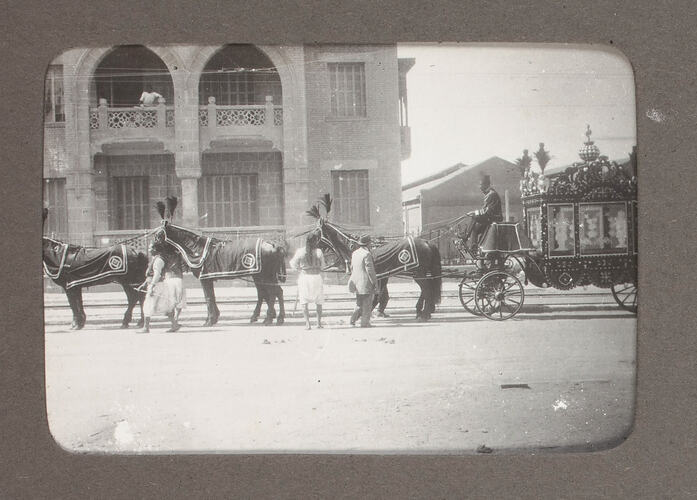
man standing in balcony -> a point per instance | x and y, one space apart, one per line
149 97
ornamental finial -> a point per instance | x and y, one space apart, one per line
589 152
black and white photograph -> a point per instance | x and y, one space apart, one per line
326 248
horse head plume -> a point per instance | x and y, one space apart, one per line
171 205
160 209
313 212
326 202
44 216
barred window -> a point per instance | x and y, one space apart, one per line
351 196
347 87
129 201
56 224
53 95
228 200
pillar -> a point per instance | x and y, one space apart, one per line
187 157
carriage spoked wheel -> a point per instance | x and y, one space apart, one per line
626 297
466 289
499 295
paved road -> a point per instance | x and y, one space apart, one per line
553 377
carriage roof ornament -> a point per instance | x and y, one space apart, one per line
589 152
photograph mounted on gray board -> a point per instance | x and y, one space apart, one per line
410 248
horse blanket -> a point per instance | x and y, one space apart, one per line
397 257
505 238
85 266
232 259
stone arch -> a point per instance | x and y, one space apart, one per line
286 70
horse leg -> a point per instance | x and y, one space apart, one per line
70 294
79 316
140 297
420 312
211 306
132 297
381 298
270 310
281 307
257 308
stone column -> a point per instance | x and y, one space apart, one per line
187 157
79 174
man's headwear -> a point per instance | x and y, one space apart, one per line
486 180
364 240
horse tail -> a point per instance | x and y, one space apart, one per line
436 273
282 274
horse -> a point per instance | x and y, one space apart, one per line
211 259
71 267
410 256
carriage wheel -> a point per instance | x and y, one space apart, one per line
499 295
466 288
626 297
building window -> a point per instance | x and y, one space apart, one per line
56 224
347 87
350 192
130 203
228 200
53 95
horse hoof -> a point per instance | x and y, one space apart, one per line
207 323
254 320
124 326
79 327
280 321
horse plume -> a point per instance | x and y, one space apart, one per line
160 209
326 202
313 212
171 205
44 215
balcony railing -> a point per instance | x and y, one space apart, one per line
103 117
214 116
240 123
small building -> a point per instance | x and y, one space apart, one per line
432 204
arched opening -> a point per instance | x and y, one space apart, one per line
240 75
126 72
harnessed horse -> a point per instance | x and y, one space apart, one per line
71 267
211 259
409 256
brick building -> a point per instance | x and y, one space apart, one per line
248 137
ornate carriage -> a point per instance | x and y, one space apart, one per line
580 228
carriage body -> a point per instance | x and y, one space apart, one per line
579 229
583 228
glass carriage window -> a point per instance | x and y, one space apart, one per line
534 223
560 223
53 95
350 193
603 228
347 87
130 202
228 200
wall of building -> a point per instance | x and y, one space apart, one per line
363 143
162 182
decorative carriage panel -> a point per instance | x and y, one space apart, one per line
603 228
561 236
533 220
